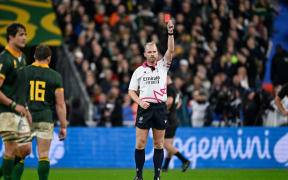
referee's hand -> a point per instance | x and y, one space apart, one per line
144 104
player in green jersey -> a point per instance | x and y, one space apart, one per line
14 118
45 89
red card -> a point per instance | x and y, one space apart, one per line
167 18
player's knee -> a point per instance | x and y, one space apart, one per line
10 153
10 149
167 146
158 144
25 152
43 154
141 143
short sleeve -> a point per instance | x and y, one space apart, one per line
283 91
134 82
163 63
59 83
4 67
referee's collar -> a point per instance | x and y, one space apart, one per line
145 64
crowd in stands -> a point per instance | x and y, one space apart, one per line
219 61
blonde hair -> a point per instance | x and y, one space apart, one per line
150 44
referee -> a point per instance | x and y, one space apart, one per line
150 79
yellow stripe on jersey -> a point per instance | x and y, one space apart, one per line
59 89
2 76
44 159
8 158
37 64
14 53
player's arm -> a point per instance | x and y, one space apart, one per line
169 102
169 53
136 98
61 112
6 100
133 87
179 103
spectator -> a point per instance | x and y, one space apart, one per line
222 42
279 66
76 117
201 111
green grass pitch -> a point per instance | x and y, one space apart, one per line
128 174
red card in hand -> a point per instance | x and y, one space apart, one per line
167 18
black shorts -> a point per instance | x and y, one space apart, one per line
170 131
153 117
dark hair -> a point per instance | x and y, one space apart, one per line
42 52
12 30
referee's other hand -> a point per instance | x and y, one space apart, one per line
144 104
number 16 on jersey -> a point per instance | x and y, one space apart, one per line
37 90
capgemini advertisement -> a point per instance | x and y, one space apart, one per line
205 147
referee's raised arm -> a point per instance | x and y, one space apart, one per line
170 50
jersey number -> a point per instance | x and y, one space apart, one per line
37 90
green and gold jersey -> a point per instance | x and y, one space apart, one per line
10 64
42 83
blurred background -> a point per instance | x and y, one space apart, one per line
230 61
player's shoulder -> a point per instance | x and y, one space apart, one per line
139 69
4 55
55 73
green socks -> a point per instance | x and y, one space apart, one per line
1 171
18 168
7 165
43 168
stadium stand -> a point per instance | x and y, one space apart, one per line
221 51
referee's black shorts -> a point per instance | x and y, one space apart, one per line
153 117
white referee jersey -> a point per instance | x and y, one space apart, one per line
151 82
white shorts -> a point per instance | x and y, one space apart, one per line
11 125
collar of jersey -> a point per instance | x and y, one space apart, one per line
37 64
146 65
11 51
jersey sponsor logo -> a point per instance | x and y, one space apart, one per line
242 147
151 80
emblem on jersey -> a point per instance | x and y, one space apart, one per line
165 121
15 64
141 120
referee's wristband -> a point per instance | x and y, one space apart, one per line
12 105
170 34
